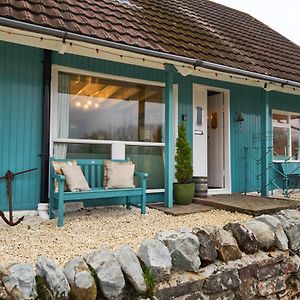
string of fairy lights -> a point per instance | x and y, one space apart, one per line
188 69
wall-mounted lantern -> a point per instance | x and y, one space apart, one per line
239 117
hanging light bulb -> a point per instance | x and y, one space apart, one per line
86 106
78 104
97 105
89 102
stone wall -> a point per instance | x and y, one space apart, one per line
258 259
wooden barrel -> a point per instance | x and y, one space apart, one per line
200 186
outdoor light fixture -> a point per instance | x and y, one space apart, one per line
239 117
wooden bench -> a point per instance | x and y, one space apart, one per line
93 172
290 170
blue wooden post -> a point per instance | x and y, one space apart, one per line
266 143
169 136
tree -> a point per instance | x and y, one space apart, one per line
183 157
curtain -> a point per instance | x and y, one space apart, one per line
63 98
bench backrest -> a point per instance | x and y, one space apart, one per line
91 168
291 168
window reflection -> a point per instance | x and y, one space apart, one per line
104 109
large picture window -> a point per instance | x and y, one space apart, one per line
286 136
92 113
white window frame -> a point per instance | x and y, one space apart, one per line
288 125
116 144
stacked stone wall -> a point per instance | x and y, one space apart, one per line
258 259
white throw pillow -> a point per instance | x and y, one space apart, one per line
57 165
120 176
75 179
107 162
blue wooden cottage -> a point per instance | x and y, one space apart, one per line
114 78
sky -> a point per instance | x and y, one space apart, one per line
281 15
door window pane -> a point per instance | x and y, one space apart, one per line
105 109
280 142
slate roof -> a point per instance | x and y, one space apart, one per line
192 28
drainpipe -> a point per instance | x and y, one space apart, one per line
176 58
43 205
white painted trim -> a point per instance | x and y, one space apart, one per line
155 191
218 191
43 41
289 127
21 213
107 142
53 115
75 71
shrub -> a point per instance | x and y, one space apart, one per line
183 157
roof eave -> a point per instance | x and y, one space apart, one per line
152 53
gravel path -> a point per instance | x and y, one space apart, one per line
86 230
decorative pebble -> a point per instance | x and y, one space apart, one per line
87 230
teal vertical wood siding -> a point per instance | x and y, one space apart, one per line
20 122
21 112
244 99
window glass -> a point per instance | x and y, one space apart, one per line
280 118
105 109
148 160
89 151
295 132
280 142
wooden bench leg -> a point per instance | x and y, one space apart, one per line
143 204
51 208
127 203
61 207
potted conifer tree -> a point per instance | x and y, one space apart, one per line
184 189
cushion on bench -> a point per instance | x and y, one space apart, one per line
119 176
75 179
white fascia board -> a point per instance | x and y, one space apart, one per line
43 41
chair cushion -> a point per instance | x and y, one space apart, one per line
120 176
105 169
57 166
75 179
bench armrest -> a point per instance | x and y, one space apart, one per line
140 174
58 177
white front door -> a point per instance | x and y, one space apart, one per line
215 135
199 130
211 137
